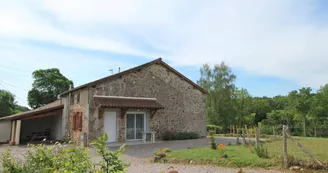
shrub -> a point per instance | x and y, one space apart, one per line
217 129
212 140
169 135
10 164
162 152
44 159
262 151
59 158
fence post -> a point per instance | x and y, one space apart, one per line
249 139
284 131
243 133
257 136
237 137
274 133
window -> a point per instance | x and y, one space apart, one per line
72 99
78 99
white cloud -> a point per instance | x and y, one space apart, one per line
281 38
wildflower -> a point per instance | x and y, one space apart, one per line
221 146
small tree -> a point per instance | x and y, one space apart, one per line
110 162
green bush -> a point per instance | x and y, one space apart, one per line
212 140
60 158
48 159
169 135
162 152
217 129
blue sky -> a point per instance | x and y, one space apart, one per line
272 46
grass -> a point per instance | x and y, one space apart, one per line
316 146
239 154
244 158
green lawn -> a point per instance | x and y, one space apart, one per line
317 146
242 155
239 154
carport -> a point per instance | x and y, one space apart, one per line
44 123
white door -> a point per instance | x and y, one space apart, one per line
110 125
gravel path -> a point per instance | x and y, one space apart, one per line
142 165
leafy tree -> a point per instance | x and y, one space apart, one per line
301 101
47 85
243 107
7 103
19 109
261 106
219 81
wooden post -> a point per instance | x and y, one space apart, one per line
237 137
284 134
243 133
249 139
304 150
257 136
304 131
274 133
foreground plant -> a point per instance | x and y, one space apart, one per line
212 140
110 162
48 159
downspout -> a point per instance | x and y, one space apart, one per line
88 115
68 111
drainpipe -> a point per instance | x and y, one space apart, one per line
68 110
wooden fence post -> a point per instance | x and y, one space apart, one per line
284 131
243 133
237 137
305 150
249 139
257 136
274 133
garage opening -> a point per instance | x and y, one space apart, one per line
46 127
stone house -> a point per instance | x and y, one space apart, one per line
152 96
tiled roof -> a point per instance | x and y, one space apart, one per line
117 75
127 102
56 105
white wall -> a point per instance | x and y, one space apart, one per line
5 130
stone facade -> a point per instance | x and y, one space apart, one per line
184 103
74 104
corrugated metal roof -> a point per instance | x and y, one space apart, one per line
47 108
127 102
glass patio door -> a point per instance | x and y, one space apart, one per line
135 126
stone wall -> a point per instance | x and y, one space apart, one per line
81 106
184 104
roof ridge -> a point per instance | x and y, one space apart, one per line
158 60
